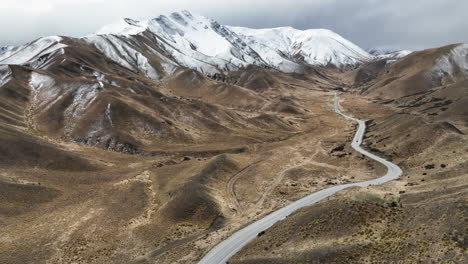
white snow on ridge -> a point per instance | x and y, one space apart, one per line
315 46
5 74
190 33
31 51
159 46
196 42
84 95
456 59
322 47
459 56
101 78
124 26
120 50
395 55
388 52
194 39
39 81
382 50
46 92
43 88
273 45
114 48
5 49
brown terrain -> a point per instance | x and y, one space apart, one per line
100 164
420 218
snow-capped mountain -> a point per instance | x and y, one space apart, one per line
159 46
193 41
286 47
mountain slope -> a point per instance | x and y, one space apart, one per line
417 117
419 72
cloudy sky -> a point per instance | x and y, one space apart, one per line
412 24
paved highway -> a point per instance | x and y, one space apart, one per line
230 246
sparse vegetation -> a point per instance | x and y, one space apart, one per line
106 165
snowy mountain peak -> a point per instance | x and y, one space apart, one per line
313 46
225 47
157 46
283 48
165 22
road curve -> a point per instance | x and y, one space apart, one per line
230 246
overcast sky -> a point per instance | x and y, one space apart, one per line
412 24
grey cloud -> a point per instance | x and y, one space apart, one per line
369 23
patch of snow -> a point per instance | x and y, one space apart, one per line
144 65
5 74
114 83
101 78
459 56
39 81
83 96
108 114
44 89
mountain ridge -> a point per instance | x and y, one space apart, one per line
182 39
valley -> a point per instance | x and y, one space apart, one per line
154 141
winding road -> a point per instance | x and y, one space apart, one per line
230 246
